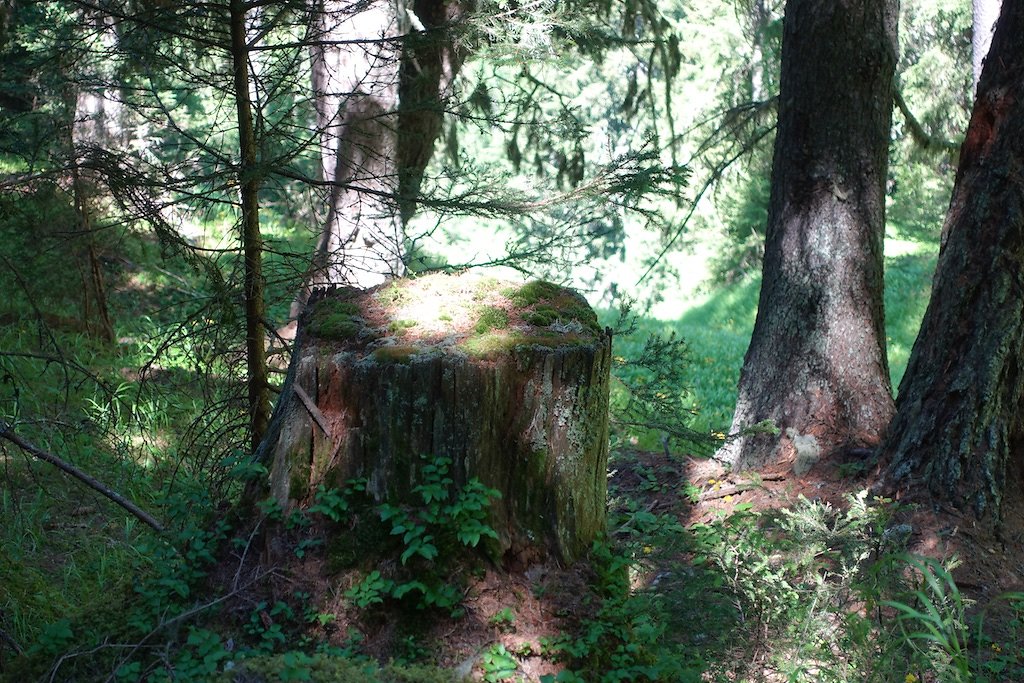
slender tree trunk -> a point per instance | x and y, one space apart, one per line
985 13
431 59
252 241
816 366
97 124
958 422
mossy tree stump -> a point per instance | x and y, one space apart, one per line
508 381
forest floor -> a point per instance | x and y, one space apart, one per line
520 615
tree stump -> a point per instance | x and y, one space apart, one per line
508 381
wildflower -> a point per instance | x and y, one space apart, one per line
727 499
996 648
910 678
648 550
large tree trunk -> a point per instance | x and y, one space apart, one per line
510 384
958 423
816 366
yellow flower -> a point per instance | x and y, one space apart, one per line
727 499
996 648
910 678
711 481
648 550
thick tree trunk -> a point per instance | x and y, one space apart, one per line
958 423
816 366
511 384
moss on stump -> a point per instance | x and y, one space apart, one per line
508 381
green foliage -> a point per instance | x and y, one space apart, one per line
434 535
326 668
651 385
934 622
625 640
498 664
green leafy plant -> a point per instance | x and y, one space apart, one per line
503 618
498 664
431 535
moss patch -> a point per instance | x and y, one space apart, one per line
491 318
541 316
497 343
533 292
336 319
545 303
399 326
393 294
396 353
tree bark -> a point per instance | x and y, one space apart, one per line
523 408
431 59
355 89
252 240
816 366
380 82
958 423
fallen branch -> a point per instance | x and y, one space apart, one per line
314 412
7 432
11 642
741 487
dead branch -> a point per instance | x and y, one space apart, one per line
7 432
